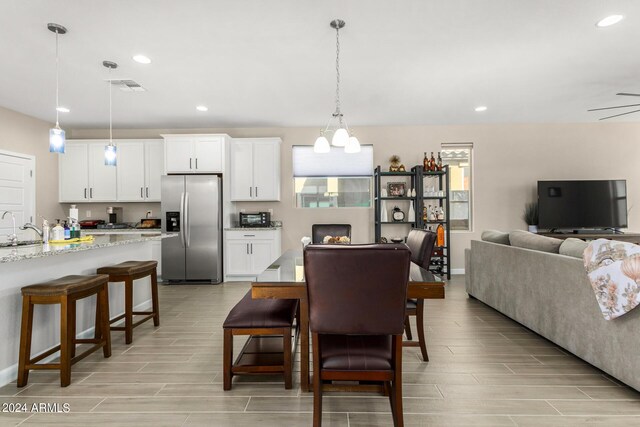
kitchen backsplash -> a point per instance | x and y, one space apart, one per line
131 212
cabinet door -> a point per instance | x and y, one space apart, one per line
241 171
102 179
266 170
238 257
179 155
154 169
73 173
130 171
208 154
262 255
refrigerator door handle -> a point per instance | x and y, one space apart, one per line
187 227
182 224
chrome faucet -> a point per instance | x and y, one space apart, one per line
13 238
33 227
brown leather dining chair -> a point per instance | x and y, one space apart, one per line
320 231
356 338
421 244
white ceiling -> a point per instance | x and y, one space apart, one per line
271 63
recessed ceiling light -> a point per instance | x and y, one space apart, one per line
202 108
63 109
142 59
609 20
481 108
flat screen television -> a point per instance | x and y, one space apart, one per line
582 204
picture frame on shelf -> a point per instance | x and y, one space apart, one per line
396 189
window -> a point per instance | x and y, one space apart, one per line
459 158
332 180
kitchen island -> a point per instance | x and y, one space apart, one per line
25 265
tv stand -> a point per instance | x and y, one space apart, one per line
594 231
587 235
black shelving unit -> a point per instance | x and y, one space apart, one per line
441 261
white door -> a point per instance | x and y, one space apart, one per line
238 257
241 170
262 255
266 170
73 173
179 155
102 178
130 171
17 194
208 154
154 169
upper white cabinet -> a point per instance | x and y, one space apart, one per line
83 176
140 166
255 169
194 153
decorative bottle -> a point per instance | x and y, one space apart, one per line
439 162
440 214
433 166
425 162
440 236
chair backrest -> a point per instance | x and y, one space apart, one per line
357 289
320 231
421 244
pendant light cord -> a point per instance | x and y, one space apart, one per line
110 111
57 84
338 113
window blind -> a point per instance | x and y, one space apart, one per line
306 163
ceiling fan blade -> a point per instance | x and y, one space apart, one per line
618 115
628 94
610 108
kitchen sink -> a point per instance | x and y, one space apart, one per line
21 243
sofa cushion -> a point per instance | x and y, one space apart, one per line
573 247
495 236
524 239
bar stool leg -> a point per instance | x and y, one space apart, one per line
226 359
154 297
72 328
420 324
128 310
65 348
286 348
103 315
25 341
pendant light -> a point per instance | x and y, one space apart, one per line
56 134
110 155
341 135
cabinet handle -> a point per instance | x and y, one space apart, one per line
247 249
196 163
249 235
251 248
147 192
141 192
256 191
190 163
85 193
91 193
250 191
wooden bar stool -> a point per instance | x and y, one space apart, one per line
127 272
64 291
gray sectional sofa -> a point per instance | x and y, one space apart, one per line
542 284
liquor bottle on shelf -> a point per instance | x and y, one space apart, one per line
440 235
439 165
424 214
426 163
434 166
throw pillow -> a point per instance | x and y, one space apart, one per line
524 239
573 247
495 236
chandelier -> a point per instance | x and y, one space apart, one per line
342 136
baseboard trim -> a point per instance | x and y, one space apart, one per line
10 373
457 271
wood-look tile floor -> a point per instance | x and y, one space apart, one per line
485 370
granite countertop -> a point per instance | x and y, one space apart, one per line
19 253
86 231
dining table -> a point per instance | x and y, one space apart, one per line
284 279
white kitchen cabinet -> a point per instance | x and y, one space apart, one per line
194 153
248 252
83 176
140 166
255 169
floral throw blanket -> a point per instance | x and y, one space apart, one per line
614 272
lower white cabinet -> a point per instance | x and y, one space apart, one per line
247 253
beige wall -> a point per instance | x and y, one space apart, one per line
26 135
508 160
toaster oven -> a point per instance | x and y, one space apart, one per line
258 219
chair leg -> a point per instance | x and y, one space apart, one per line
407 328
396 386
128 310
286 347
227 355
388 385
105 326
72 327
65 347
317 383
420 326
25 341
154 298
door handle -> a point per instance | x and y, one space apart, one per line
196 163
91 193
250 191
182 224
247 249
251 248
256 191
85 193
147 192
141 192
186 217
190 163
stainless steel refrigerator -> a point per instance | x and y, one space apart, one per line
192 207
